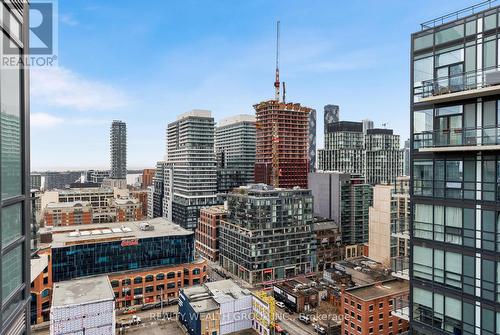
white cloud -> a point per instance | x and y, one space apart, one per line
44 120
61 87
68 19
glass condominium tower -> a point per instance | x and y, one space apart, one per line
15 171
455 174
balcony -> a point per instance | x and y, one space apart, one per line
458 139
401 308
459 86
400 228
400 267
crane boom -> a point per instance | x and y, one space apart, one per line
277 79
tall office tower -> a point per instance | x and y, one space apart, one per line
406 158
158 191
15 171
455 237
367 124
312 140
235 152
344 148
118 145
258 249
331 116
345 199
384 157
282 157
191 158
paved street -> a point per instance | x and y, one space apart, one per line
161 327
291 323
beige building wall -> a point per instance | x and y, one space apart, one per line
379 240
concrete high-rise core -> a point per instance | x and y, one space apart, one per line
118 145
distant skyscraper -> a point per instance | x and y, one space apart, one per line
118 144
235 152
384 157
15 204
367 124
344 148
406 157
312 140
193 173
332 115
282 157
158 191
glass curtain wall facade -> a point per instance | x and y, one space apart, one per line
14 177
455 235
91 259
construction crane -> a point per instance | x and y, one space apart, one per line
275 174
277 79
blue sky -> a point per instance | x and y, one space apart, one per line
145 62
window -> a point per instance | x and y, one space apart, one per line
10 128
370 308
170 285
370 319
115 283
160 276
358 306
423 42
489 54
11 223
149 278
11 271
126 281
380 327
137 280
160 287
45 293
171 275
380 316
450 34
149 289
138 291
381 305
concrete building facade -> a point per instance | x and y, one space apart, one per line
191 157
343 198
235 152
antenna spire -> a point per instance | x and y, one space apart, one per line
277 80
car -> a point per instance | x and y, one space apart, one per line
284 332
319 329
304 319
173 301
136 320
147 307
280 304
130 310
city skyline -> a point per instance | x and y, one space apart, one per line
225 66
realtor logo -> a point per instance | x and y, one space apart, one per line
42 33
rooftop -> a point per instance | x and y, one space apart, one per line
217 209
323 224
67 204
236 119
85 190
380 290
195 113
62 236
82 291
38 265
264 188
227 289
206 297
126 201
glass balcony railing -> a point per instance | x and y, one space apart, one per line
457 137
401 308
400 266
400 226
458 82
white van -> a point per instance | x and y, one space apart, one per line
304 319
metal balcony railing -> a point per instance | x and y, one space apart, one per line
489 76
457 14
480 136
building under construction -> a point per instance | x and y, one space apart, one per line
282 134
282 138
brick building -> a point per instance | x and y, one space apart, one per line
68 213
207 232
329 247
41 288
369 309
147 178
136 288
129 209
142 196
